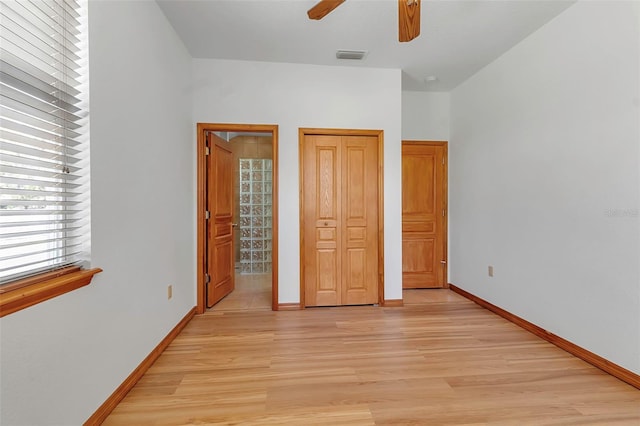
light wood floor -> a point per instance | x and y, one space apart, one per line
440 360
252 292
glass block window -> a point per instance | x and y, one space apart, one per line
255 215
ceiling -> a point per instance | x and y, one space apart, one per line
457 38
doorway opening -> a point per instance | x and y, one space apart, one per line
249 182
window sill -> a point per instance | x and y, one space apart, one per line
15 299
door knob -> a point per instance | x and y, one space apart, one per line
234 225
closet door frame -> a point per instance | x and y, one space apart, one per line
379 134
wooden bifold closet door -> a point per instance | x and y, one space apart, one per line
340 220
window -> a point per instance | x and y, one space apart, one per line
44 161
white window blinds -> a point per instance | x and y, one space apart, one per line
44 168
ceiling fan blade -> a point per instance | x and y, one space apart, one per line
408 19
323 8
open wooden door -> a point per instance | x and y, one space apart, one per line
220 262
213 223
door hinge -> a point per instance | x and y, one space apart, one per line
206 150
207 278
207 215
443 161
443 214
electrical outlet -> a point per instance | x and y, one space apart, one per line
169 292
490 271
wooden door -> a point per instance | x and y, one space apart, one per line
423 215
340 220
220 258
360 220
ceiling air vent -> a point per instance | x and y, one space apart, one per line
351 54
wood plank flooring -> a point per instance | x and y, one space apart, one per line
439 360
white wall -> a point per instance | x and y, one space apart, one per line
295 96
544 180
61 359
425 116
